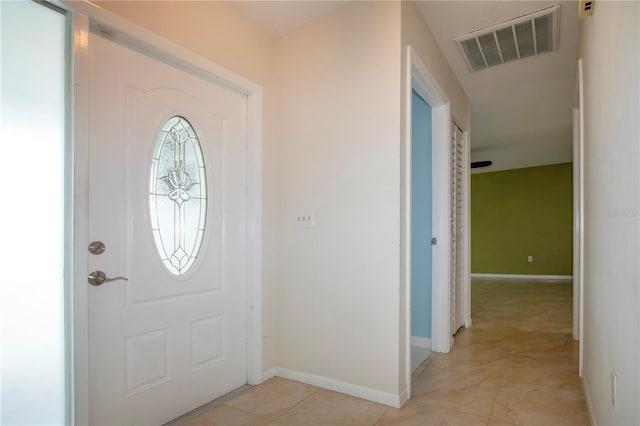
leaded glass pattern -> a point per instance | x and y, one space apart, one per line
178 195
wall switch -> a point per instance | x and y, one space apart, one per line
530 259
614 389
306 219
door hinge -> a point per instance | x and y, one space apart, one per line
434 241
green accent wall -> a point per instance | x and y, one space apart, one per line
519 213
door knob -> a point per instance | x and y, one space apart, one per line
98 278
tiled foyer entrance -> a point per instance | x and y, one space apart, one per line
517 365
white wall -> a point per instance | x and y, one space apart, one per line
416 33
339 151
610 51
215 31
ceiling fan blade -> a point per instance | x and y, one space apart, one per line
477 164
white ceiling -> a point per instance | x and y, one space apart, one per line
520 111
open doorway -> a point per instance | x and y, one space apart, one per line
421 229
428 91
422 236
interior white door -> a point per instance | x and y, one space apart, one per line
173 336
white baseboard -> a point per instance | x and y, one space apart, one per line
587 397
404 397
422 342
268 374
523 277
342 387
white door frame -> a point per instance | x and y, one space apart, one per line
87 16
421 80
578 213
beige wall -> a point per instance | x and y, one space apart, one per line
334 119
610 50
416 33
339 156
216 32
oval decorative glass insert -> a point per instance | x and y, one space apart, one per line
178 195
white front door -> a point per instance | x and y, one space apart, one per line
167 197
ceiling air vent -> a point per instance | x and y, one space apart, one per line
518 38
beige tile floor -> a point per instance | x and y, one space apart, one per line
517 365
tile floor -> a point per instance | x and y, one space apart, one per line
517 365
419 355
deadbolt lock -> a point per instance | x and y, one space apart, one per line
97 247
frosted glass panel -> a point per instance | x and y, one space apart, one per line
178 195
32 251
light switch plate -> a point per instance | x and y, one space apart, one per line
305 219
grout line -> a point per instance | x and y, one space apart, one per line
425 364
449 408
300 402
380 418
495 398
209 406
549 387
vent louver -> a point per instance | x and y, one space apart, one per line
518 38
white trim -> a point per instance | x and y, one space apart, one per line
69 213
524 277
80 138
418 78
576 221
587 398
254 237
89 15
270 373
427 87
404 397
421 342
338 386
578 211
342 387
405 233
581 230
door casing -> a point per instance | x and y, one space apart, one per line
578 214
86 16
421 80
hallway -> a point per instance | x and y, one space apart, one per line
517 365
